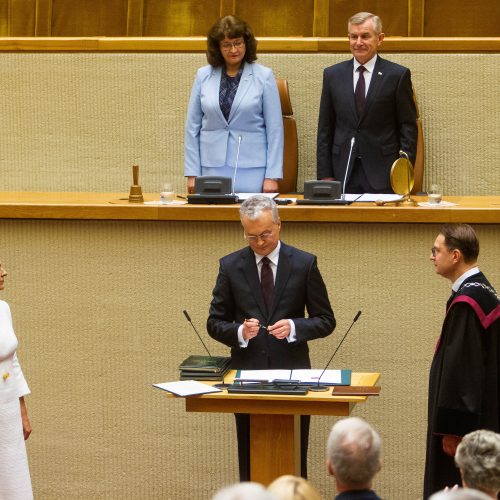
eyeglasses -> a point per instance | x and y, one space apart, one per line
229 45
263 236
433 251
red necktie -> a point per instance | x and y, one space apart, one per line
267 283
359 93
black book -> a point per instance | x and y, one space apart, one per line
197 375
212 364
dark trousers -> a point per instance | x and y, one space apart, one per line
243 435
359 183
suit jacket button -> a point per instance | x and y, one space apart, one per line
6 375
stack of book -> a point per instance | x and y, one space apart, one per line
204 367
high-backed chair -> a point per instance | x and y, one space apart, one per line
291 143
419 159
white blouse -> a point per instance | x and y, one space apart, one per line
12 382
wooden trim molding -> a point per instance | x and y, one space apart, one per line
268 44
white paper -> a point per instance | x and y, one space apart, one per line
312 376
379 196
245 196
186 387
436 205
265 375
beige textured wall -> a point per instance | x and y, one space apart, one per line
98 309
78 121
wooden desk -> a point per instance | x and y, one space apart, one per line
275 422
114 206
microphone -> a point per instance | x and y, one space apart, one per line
347 168
236 164
223 385
321 388
196 331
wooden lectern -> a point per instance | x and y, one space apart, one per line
275 422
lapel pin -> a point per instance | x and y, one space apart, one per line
380 72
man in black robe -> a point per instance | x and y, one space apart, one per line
464 381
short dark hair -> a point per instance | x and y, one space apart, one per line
461 237
230 27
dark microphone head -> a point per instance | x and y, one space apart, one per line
187 315
355 318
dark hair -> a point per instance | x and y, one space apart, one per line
461 237
230 27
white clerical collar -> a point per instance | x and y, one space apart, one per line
369 66
272 256
467 274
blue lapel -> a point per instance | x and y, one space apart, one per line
245 83
213 88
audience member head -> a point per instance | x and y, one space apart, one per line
293 488
261 224
230 27
459 494
353 454
478 458
244 491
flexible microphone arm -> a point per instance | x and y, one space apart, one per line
324 388
347 171
196 331
236 165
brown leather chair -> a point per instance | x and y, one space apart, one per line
419 159
291 143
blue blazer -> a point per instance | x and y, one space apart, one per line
211 141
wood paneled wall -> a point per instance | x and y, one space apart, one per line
321 18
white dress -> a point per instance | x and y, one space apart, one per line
15 481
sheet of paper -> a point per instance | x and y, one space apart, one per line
378 196
436 205
186 387
312 376
244 196
265 375
352 196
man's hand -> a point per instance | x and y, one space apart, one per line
281 329
450 444
251 328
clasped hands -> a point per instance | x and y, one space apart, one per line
280 330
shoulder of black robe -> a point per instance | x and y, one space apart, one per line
481 296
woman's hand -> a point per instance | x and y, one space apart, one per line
190 184
270 186
25 419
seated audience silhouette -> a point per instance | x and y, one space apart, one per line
353 458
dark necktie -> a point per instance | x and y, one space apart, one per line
267 283
359 93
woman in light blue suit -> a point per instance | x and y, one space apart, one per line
234 104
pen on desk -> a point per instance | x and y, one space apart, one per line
181 197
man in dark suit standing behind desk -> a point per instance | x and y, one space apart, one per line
370 100
258 308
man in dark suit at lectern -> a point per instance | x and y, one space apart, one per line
367 113
258 308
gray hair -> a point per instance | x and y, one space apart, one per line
460 494
244 491
361 17
255 205
478 458
353 450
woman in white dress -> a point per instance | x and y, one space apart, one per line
15 427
